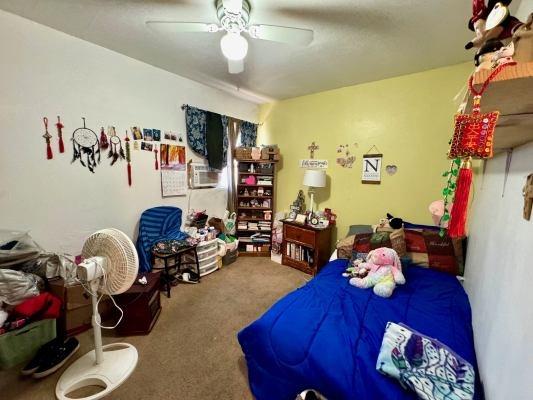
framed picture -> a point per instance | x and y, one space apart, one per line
300 219
372 168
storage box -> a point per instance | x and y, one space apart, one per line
141 305
230 257
243 153
76 313
20 345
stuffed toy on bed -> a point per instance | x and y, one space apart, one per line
385 271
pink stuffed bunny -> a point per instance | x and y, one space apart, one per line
385 272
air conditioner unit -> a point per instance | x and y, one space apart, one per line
202 176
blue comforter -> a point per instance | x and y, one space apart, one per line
327 334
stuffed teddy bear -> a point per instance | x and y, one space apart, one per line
385 271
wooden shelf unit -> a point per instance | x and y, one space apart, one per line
510 93
254 214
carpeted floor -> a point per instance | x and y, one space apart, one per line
192 353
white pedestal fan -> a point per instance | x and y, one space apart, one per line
110 267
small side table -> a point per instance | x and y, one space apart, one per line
305 247
173 260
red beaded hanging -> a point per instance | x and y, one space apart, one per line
60 127
47 137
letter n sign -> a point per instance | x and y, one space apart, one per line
372 168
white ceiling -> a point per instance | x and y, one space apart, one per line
355 40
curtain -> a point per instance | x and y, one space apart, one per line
248 134
232 130
196 126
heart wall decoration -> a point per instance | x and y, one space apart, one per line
391 169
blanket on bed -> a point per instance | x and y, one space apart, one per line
327 335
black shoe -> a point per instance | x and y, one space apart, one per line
55 359
41 355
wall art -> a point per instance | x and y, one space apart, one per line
47 137
59 127
372 168
314 164
86 147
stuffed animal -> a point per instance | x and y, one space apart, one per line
385 271
491 21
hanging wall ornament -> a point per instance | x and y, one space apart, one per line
115 149
47 138
104 144
86 147
60 127
472 138
128 157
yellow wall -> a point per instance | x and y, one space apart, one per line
408 118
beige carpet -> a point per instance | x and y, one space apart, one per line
192 352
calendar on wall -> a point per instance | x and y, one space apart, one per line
173 170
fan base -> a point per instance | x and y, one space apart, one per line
120 359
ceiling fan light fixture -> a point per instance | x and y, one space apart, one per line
234 46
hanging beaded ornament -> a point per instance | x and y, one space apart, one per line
104 144
85 144
47 137
473 134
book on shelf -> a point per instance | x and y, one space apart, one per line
299 253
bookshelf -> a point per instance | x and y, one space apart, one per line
255 206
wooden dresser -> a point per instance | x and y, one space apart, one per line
305 247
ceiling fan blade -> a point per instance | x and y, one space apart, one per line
235 66
282 34
233 6
178 27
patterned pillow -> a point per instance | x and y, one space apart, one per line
428 249
344 247
394 239
425 365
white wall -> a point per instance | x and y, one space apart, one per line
498 273
498 278
44 72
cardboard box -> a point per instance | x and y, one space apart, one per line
76 313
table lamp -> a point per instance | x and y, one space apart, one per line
314 179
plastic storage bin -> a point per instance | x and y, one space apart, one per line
20 345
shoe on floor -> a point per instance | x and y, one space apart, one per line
55 359
41 355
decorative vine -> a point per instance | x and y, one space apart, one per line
449 191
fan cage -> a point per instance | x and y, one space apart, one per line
122 263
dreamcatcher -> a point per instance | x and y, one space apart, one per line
115 148
85 144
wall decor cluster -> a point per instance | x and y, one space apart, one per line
88 146
346 159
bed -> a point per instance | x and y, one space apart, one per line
327 334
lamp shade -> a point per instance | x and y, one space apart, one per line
315 178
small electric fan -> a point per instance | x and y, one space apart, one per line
110 267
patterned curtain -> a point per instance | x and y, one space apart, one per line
248 134
195 120
225 143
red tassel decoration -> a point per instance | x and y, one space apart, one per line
457 226
156 162
49 154
60 127
128 157
47 137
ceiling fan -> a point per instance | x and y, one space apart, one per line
234 16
